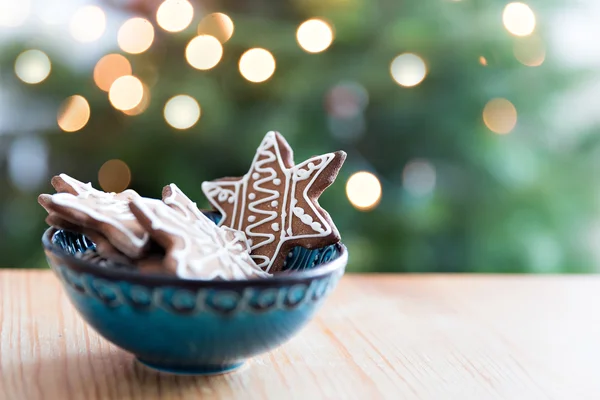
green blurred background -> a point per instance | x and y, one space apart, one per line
484 138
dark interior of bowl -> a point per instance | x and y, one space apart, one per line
299 259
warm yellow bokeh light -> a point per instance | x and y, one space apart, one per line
88 24
126 92
500 116
408 69
363 190
135 35
257 65
518 19
143 105
73 114
174 15
182 111
218 25
109 68
13 13
114 176
530 51
314 35
203 52
483 61
32 66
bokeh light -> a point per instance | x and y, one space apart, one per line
109 68
27 162
174 15
408 69
114 176
182 111
32 66
500 116
126 92
363 190
314 35
518 19
88 24
73 114
257 65
218 25
418 177
135 35
13 13
203 52
143 105
483 61
530 51
346 100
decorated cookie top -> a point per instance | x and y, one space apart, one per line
195 247
106 213
276 202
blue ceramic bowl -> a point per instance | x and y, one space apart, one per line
193 326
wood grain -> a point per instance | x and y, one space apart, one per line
378 336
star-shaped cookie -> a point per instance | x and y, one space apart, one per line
276 202
195 249
106 213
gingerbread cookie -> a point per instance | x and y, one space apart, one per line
195 250
276 202
103 247
105 213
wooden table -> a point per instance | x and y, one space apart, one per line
378 336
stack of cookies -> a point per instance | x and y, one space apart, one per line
264 214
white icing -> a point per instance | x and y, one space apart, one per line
268 164
197 232
110 209
251 218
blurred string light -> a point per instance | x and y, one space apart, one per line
346 100
203 52
143 104
408 69
32 66
73 114
518 19
28 162
114 176
483 61
174 15
109 68
314 35
257 65
135 35
126 93
500 116
530 51
13 13
88 24
363 190
218 25
418 177
182 112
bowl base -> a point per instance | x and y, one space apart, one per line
193 370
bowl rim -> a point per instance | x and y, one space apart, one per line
152 279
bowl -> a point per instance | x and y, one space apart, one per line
193 326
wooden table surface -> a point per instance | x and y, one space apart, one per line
378 336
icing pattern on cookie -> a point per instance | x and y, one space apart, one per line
196 248
275 203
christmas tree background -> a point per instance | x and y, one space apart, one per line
463 189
